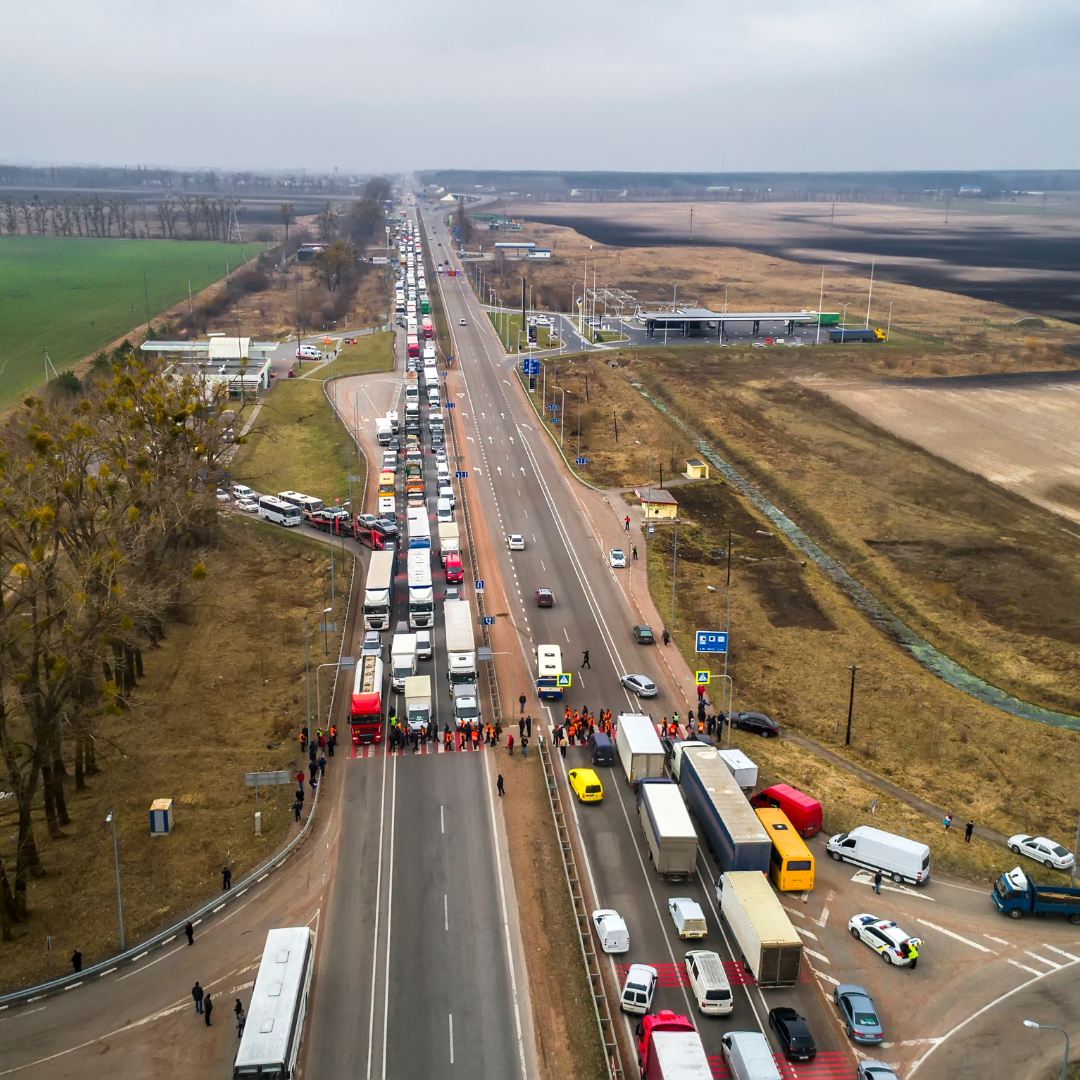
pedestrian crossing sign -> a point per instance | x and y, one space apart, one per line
564 679
702 678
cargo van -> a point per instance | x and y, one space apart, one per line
601 749
749 1056
803 811
688 917
895 856
444 511
709 981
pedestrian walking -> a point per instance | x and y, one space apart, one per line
947 821
303 738
208 1008
528 725
313 768
877 882
297 807
635 551
626 523
585 659
197 994
190 931
314 785
300 782
521 728
76 961
226 879
322 765
241 1020
510 745
331 743
521 702
667 636
969 828
525 746
499 784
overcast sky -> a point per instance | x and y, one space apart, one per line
600 84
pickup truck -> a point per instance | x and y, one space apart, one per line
1015 894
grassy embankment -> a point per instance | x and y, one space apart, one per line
72 296
794 634
223 695
297 444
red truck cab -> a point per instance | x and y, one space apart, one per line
803 811
455 572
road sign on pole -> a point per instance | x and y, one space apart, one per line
461 474
488 620
564 679
702 678
711 641
478 584
581 461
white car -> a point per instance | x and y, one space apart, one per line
249 506
222 496
1051 854
515 542
617 558
885 938
461 322
611 928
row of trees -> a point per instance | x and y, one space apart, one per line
205 217
106 497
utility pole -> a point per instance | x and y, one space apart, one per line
851 703
870 293
674 566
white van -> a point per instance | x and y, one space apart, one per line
709 981
241 492
638 989
749 1056
444 511
895 856
688 917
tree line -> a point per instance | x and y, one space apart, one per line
107 495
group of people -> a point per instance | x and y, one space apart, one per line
321 744
401 735
324 740
204 1006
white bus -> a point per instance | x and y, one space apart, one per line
379 590
308 504
275 1018
278 511
549 668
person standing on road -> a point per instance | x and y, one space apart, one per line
667 636
562 746
947 821
76 961
528 725
635 551
877 881
208 1008
969 828
322 766
585 659
226 879
197 994
190 931
521 728
525 746
297 807
521 702
510 744
499 784
626 523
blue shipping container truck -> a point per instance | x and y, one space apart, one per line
734 833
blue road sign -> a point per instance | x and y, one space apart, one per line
461 474
553 408
564 679
451 405
489 620
530 367
702 678
711 641
581 461
554 419
478 584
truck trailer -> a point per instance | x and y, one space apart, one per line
735 836
669 832
771 948
639 747
460 642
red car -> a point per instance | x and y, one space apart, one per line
545 598
455 572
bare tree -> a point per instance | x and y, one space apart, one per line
327 222
287 216
190 206
167 212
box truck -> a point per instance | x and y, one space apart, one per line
460 642
735 836
449 540
770 947
895 856
669 832
640 750
402 659
418 701
742 768
669 1048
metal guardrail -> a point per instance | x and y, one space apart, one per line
604 1022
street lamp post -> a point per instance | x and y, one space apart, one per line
843 325
1054 1027
307 665
851 703
110 820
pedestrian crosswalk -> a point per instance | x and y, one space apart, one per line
828 1065
380 750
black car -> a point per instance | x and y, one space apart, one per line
794 1035
643 635
757 722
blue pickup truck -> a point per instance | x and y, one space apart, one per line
1015 894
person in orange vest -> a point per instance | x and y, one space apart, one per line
577 717
303 738
447 740
566 718
475 736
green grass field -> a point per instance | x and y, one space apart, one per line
74 296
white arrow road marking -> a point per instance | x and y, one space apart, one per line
498 468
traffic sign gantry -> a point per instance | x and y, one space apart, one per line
564 679
712 641
702 678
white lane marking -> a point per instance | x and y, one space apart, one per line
819 956
445 913
864 877
806 933
389 918
71 986
26 1012
1061 952
542 566
163 956
792 911
375 942
956 937
1042 960
1024 967
108 971
823 976
451 1038
566 635
1002 941
442 819
825 911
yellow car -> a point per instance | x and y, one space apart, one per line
586 785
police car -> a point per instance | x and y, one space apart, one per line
885 938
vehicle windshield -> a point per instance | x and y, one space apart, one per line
635 986
802 1042
1060 851
592 789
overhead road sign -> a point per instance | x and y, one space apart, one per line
711 641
